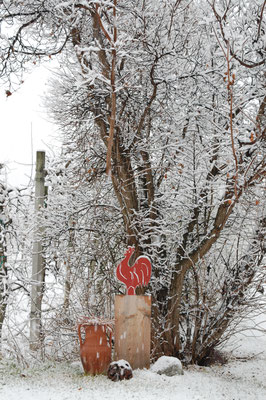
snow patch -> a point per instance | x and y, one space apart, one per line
169 366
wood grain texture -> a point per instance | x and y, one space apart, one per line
133 330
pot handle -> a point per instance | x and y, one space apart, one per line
79 333
110 334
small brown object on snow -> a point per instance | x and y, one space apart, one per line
119 370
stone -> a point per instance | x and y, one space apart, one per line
169 366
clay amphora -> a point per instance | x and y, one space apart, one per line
95 350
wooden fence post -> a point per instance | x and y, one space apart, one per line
133 329
38 267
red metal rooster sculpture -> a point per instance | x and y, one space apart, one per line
138 275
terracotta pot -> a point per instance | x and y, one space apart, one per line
95 350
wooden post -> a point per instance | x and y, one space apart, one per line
133 330
38 268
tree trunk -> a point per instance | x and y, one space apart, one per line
3 271
3 291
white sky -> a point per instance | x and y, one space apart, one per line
24 128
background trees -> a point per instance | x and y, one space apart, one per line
4 222
169 98
15 213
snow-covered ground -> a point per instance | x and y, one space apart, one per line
243 378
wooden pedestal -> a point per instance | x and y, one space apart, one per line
133 330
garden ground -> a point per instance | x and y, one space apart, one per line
242 378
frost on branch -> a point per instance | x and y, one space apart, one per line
181 86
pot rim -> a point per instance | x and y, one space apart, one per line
95 321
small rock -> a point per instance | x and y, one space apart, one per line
77 365
119 370
168 366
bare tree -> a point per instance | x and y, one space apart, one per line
167 96
3 259
8 203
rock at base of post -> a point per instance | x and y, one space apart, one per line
119 370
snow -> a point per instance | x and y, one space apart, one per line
164 363
242 378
